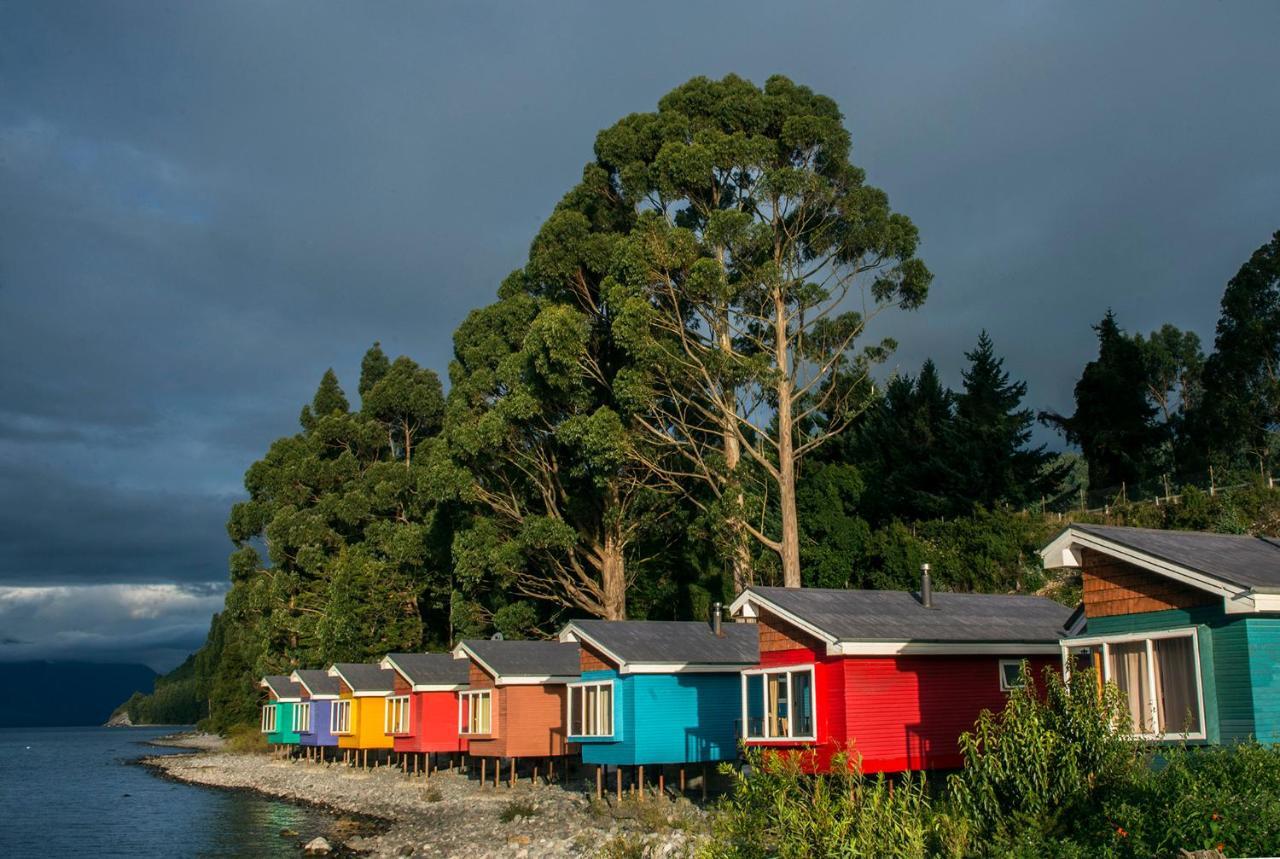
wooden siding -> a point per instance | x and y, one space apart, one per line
368 721
777 634
478 678
433 724
1115 587
400 686
320 735
1264 676
908 712
590 659
529 723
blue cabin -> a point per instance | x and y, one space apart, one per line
658 692
313 712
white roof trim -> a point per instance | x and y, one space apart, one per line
574 633
748 601
941 648
388 662
275 696
1064 551
377 693
323 696
685 667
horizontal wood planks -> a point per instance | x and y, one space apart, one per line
1115 587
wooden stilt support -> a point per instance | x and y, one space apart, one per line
533 779
512 782
618 772
682 781
599 782
704 782
497 771
482 766
640 782
662 782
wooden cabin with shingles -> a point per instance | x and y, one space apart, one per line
314 713
422 712
277 723
515 702
1185 623
656 694
890 678
358 716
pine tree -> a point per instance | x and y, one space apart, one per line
990 454
329 399
1114 422
373 367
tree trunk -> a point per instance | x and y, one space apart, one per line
739 552
790 549
613 577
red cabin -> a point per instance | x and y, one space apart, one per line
422 710
893 677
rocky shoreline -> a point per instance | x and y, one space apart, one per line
449 814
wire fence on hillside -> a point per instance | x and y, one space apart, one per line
1158 492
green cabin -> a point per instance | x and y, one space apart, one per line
1186 624
280 713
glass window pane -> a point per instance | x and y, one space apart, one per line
1129 672
606 711
1177 703
802 703
755 705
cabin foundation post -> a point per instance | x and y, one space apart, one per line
618 773
513 773
551 770
640 782
682 781
704 782
533 779
482 766
599 782
662 782
497 772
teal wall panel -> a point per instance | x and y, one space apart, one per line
1264 676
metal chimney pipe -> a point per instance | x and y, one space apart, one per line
715 620
926 587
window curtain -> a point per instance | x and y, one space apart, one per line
1129 672
1177 706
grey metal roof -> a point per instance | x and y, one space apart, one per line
527 658
282 686
676 641
1252 562
431 669
849 615
366 677
318 681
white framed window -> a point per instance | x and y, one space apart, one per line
302 718
269 719
340 717
395 718
1010 675
1159 675
475 712
591 709
779 703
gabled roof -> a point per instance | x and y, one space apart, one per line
281 687
523 662
365 679
317 682
1248 563
429 671
854 622
659 646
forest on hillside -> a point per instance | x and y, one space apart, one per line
677 395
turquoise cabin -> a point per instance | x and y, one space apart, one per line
1186 624
283 696
657 692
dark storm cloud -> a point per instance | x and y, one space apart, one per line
204 205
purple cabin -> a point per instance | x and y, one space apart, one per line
319 691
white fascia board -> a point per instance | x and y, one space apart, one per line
748 604
943 648
1071 540
531 680
573 633
371 693
685 667
439 687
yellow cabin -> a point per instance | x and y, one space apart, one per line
358 717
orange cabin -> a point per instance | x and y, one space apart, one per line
359 717
423 707
516 700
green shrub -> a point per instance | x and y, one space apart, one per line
246 740
517 808
780 810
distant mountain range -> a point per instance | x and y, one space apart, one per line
58 694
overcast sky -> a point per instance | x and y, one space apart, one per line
204 205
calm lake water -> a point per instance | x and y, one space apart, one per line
73 792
